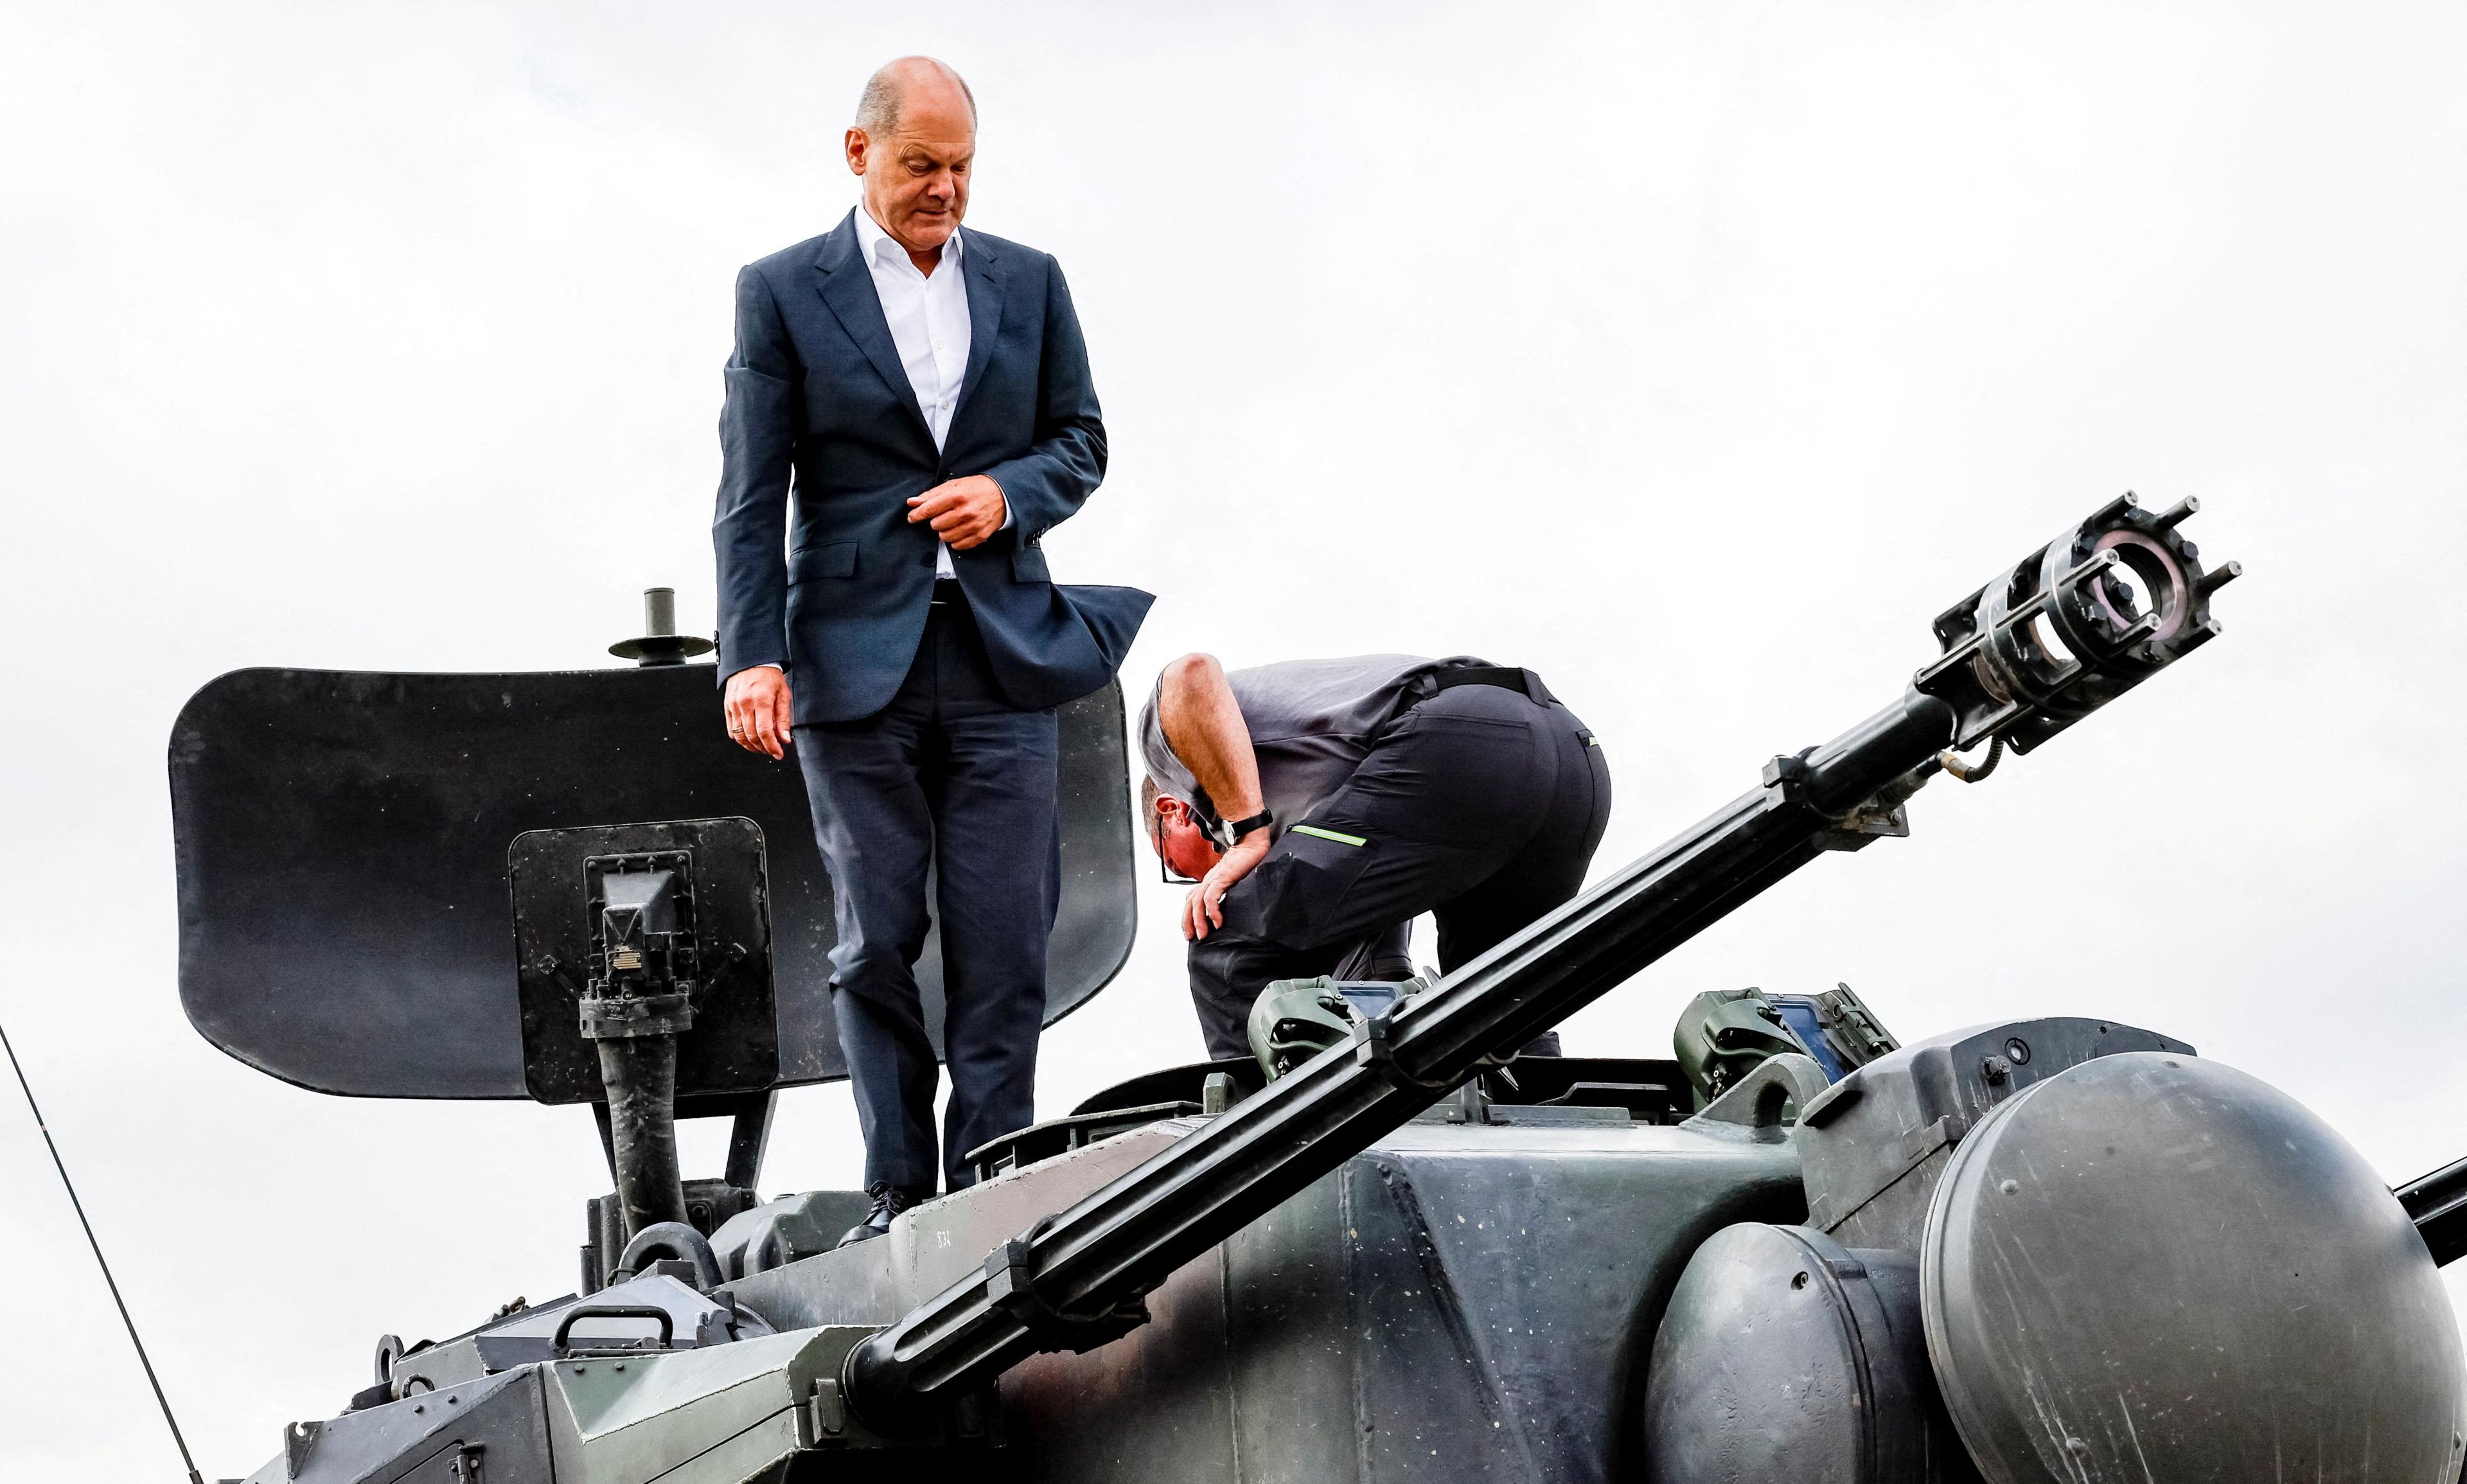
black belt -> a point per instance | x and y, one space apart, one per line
1526 682
1522 682
947 590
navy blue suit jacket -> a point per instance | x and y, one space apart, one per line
816 391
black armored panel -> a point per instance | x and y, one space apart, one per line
700 882
342 840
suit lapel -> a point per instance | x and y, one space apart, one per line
848 288
983 268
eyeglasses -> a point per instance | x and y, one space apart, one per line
1164 867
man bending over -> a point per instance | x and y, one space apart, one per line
1318 806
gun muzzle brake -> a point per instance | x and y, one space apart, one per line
2074 624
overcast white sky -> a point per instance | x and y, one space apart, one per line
1694 356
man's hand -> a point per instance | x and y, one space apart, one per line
1200 911
757 710
964 512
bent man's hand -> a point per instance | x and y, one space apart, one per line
1201 910
756 707
964 512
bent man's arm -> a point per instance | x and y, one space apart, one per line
1204 726
1046 486
757 435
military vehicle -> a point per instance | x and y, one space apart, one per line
1384 1248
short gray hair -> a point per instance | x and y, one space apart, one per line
877 107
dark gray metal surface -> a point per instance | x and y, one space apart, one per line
732 1042
341 842
1876 1144
529 1336
2153 1267
1786 1355
1464 1301
431 1439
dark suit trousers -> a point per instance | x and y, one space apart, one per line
1477 805
950 776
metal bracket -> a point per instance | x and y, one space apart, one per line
1884 816
827 1408
615 1017
1865 825
1786 776
1010 1286
1471 1103
1374 1046
676 1240
298 1440
1756 1102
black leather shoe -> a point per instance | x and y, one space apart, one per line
887 1202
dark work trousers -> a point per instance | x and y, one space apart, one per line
1478 805
949 773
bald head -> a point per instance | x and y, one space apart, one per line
913 143
885 94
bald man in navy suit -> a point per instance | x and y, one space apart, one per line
926 390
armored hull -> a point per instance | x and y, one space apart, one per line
1503 1291
1464 1300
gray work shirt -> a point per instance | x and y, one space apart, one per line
1311 723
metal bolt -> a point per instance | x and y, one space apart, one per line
1996 1069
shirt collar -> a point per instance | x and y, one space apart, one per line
874 242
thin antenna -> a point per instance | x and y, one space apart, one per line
80 1206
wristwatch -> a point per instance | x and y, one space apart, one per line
1228 833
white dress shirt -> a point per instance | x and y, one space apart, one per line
929 327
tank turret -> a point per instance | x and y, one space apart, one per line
1385 1248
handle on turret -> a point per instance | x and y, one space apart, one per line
565 1327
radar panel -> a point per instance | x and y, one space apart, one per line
341 840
